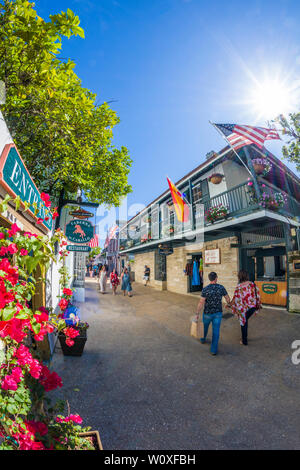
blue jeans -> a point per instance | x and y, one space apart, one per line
216 319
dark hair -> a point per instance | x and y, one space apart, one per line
212 276
243 276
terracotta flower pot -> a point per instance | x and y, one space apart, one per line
259 168
217 179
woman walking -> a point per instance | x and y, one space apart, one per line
126 284
114 280
102 280
246 302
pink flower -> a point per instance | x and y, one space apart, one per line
76 419
14 229
46 199
12 249
39 221
2 236
17 374
23 252
35 369
9 383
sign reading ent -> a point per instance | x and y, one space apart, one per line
18 182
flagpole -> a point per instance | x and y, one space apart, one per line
224 137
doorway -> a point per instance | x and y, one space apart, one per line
196 273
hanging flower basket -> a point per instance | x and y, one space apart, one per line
216 178
262 166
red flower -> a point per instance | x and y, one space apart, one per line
46 199
63 304
55 214
23 252
49 380
67 291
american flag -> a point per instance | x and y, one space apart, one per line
239 135
94 243
111 234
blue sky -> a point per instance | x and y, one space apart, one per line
173 65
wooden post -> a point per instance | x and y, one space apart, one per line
251 168
192 205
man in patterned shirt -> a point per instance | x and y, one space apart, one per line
211 299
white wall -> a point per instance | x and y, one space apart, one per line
5 137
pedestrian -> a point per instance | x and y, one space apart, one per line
114 281
103 280
246 302
126 284
211 300
146 275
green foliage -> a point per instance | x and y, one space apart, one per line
290 127
63 136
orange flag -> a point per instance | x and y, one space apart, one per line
181 207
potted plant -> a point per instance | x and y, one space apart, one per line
216 213
93 437
216 178
262 166
73 338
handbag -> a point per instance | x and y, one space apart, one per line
196 327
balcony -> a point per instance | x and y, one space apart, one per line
238 201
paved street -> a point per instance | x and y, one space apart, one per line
144 383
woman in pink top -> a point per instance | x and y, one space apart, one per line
246 302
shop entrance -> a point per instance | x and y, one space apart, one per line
268 268
195 273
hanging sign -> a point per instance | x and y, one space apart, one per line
165 249
17 181
81 214
79 231
80 248
212 256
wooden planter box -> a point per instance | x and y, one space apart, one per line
78 346
95 436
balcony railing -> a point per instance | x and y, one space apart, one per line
240 200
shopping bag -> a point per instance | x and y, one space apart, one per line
196 327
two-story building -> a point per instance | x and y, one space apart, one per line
244 214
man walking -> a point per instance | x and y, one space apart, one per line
211 299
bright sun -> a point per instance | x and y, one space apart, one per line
271 98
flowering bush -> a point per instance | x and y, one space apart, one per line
263 162
28 420
215 213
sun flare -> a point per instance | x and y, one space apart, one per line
271 98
